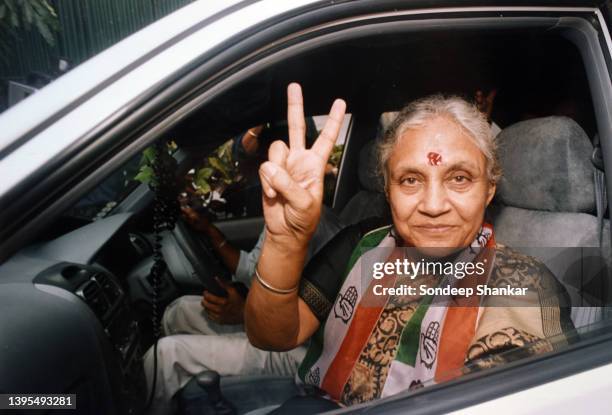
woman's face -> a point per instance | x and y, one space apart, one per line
438 187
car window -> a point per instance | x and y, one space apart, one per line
106 196
100 201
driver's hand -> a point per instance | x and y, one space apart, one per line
195 220
224 310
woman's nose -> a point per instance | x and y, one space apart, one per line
435 201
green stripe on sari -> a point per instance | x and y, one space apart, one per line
369 241
410 338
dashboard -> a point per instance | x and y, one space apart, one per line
91 290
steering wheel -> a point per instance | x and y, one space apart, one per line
201 256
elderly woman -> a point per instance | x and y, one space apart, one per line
440 171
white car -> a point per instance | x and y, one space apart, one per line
77 239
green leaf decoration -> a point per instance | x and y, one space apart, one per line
149 154
217 164
204 173
336 155
145 175
202 186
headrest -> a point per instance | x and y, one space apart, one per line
369 177
546 164
368 158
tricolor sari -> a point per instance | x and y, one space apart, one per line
372 346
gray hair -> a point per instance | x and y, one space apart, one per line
456 109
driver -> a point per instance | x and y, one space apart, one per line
207 333
438 161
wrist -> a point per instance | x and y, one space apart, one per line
280 263
284 246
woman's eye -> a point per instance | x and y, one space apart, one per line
460 180
409 181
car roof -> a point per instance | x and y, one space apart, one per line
90 77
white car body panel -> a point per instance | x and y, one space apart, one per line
584 393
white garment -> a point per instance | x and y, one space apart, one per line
194 343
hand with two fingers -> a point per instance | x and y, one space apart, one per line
293 182
224 310
292 178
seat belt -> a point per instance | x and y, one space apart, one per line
599 177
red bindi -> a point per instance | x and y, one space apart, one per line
435 159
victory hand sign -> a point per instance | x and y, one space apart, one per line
292 178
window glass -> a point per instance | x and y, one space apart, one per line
99 202
102 200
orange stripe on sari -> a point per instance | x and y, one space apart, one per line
364 321
460 325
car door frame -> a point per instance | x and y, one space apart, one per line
122 135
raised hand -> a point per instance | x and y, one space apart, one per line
292 178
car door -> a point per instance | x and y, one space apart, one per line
103 120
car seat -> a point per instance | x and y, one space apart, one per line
370 200
545 205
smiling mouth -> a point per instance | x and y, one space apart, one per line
435 228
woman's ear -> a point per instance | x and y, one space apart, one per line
491 192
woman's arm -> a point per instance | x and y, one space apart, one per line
292 181
278 321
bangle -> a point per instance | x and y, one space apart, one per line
271 288
222 244
252 133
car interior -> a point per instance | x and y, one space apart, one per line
549 203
